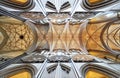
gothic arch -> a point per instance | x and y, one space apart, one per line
12 70
93 5
103 69
106 46
25 5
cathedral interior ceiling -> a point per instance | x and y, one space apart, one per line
60 38
19 36
59 28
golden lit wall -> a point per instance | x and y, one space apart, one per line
95 74
95 1
19 1
20 74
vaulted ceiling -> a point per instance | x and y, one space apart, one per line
80 25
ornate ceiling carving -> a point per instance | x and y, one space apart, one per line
19 37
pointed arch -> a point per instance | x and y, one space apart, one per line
18 4
11 72
100 68
96 4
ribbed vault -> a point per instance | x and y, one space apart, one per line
19 37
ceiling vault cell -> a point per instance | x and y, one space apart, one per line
19 36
